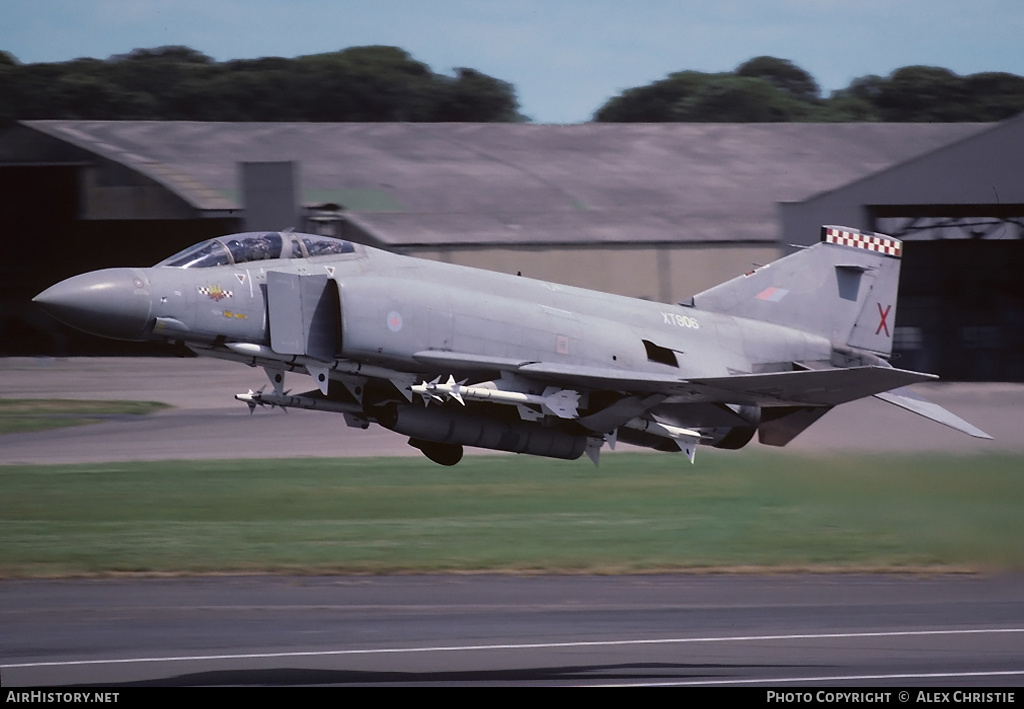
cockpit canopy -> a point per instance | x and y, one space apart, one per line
235 249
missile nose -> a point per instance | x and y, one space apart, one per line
111 303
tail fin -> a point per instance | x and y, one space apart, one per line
843 288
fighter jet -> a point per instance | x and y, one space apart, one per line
453 356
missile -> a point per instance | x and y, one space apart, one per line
685 438
299 401
563 403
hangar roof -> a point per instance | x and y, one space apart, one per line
973 186
426 184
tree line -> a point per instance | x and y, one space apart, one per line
387 84
177 84
767 89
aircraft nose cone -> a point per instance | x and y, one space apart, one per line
110 303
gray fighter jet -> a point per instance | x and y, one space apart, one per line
452 356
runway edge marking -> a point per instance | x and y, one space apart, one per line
519 646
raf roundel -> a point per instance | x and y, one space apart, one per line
394 321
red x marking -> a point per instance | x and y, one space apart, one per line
883 314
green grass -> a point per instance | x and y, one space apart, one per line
24 415
636 513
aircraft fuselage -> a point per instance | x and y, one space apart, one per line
512 363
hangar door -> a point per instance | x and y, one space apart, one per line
961 309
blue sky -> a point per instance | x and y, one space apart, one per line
564 57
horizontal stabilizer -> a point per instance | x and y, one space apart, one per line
906 399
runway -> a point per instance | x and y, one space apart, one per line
809 631
786 632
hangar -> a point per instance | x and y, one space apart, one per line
657 211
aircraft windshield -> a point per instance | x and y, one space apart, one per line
256 246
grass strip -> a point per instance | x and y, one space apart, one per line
26 415
636 513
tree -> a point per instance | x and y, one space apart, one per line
921 93
783 74
364 84
476 97
178 83
770 89
994 96
776 94
738 99
171 54
652 103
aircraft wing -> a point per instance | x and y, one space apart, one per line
800 388
565 375
820 387
601 378
461 362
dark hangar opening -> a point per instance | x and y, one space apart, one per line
961 309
